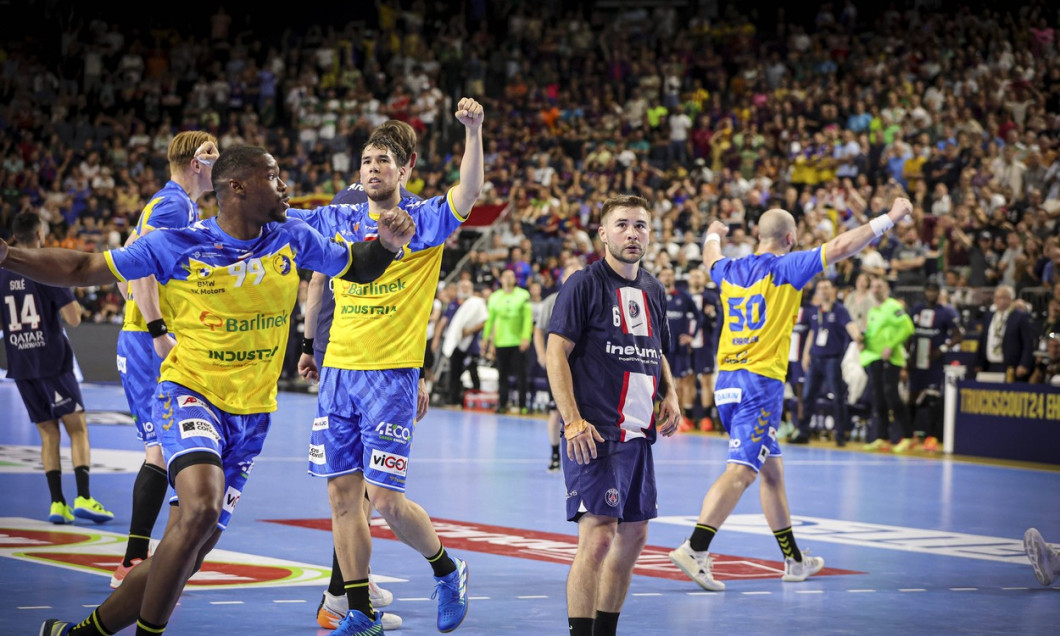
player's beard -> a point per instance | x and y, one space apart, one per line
619 254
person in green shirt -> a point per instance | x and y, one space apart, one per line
506 337
883 356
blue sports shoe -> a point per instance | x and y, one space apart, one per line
451 591
55 627
357 624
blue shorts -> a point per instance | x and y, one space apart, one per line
619 483
750 406
703 359
139 367
48 399
680 360
365 422
188 423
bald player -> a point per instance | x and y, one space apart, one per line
760 297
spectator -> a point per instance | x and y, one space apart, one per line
1006 344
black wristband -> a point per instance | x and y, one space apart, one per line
157 328
423 372
307 346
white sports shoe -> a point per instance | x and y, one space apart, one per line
697 565
332 610
379 596
795 571
1044 560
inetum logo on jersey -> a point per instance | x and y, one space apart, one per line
388 463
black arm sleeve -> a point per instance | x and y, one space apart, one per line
370 260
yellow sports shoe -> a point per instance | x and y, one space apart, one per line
60 513
92 510
879 444
906 445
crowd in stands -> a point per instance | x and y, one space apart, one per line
706 115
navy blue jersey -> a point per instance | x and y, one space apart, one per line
620 335
36 345
827 331
353 194
935 326
682 314
707 332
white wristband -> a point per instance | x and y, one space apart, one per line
881 224
713 236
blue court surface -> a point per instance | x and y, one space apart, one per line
912 544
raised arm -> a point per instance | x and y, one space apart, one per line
371 258
853 241
712 243
466 192
57 266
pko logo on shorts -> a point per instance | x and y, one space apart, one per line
320 423
728 396
611 497
317 455
389 463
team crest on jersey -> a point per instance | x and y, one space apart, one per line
634 309
632 303
611 497
282 264
203 272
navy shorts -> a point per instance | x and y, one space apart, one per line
680 361
619 483
51 398
703 359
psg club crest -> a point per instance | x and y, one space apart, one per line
611 497
634 309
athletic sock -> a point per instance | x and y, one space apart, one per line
606 623
580 626
786 539
149 493
555 452
91 626
81 475
144 628
701 537
336 586
442 563
689 413
358 597
55 485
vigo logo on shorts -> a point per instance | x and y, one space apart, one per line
611 497
389 463
231 499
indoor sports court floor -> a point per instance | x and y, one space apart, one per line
912 544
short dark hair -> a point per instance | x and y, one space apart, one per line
25 226
396 136
234 163
623 201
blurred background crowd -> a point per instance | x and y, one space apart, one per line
709 110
